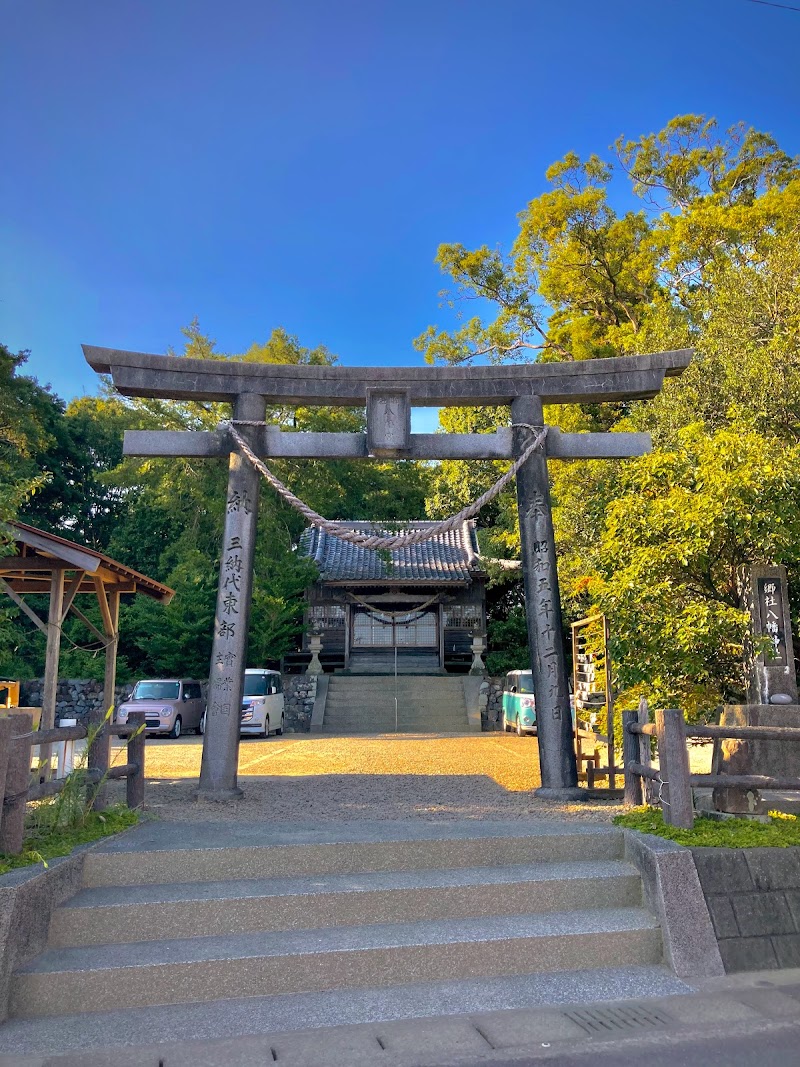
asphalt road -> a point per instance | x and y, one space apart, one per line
779 1047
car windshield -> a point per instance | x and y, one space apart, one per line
525 684
157 691
256 685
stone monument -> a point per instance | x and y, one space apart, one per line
771 692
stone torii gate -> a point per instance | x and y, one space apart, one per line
388 393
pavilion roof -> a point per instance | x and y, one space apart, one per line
38 552
451 557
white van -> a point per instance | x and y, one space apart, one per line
262 702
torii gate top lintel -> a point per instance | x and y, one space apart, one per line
578 382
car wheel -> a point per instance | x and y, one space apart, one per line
201 729
506 726
280 728
266 727
519 727
175 732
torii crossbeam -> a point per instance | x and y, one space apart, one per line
388 393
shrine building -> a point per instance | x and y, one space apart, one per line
419 606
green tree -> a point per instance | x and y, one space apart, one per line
710 260
25 412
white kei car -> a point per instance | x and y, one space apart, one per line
262 702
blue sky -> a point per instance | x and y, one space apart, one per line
258 163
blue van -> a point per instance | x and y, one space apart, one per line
519 703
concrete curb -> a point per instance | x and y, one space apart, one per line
472 693
559 1032
318 714
28 898
672 890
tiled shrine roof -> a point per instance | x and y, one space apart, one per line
446 557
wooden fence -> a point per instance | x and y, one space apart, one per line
672 782
19 785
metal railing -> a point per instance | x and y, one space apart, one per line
19 785
671 783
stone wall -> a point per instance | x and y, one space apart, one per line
76 698
299 693
753 896
491 703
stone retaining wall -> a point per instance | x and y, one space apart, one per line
299 693
753 896
76 698
491 702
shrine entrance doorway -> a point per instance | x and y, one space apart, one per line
376 630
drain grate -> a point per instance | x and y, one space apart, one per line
613 1020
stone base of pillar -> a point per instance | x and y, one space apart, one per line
218 795
562 794
776 759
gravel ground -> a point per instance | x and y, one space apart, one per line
478 776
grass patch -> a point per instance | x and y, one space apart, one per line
44 843
781 831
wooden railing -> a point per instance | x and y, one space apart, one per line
672 782
18 787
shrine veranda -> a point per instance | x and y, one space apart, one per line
388 394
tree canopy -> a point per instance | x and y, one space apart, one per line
711 260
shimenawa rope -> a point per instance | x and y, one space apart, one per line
374 541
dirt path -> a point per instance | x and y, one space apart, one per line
481 776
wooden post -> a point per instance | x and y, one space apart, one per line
100 749
609 707
645 753
18 782
135 782
630 754
5 748
674 763
55 614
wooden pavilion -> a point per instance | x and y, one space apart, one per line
44 564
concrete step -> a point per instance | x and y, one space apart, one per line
422 688
405 685
161 852
381 729
380 705
388 686
429 702
115 915
419 717
200 969
261 1015
364 705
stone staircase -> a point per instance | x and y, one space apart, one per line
408 662
185 930
366 704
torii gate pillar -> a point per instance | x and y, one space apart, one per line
218 770
557 764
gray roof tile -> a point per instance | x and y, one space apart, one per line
447 557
